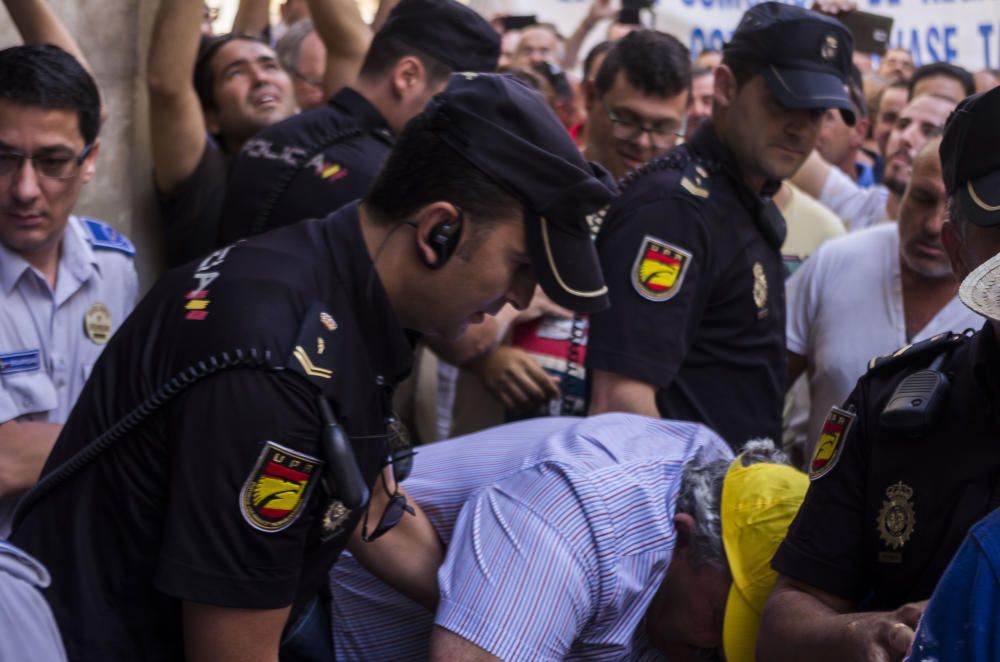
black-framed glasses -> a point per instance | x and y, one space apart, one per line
661 134
47 165
391 514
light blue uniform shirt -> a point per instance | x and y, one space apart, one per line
559 532
29 630
45 352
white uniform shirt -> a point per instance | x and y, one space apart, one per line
845 306
46 353
858 207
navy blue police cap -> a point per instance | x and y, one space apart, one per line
505 129
970 157
446 30
805 56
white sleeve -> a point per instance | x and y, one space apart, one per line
801 303
858 207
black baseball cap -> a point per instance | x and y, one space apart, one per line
805 56
505 129
446 30
970 157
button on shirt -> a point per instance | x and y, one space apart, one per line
33 317
697 293
305 166
580 511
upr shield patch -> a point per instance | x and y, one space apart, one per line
278 487
831 442
659 269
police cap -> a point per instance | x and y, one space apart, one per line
970 157
506 130
805 56
445 30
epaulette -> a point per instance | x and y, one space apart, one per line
694 178
103 236
313 355
935 345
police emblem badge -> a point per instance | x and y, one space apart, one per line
760 289
659 269
334 518
831 442
896 518
278 487
97 323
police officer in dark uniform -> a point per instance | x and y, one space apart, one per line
318 161
696 330
227 441
910 462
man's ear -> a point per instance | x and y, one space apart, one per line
89 163
724 87
426 222
861 130
408 75
212 122
684 526
952 243
590 96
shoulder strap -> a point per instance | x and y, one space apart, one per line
103 236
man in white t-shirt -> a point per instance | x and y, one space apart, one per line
921 119
870 292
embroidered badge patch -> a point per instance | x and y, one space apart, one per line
278 487
659 269
27 361
896 518
831 442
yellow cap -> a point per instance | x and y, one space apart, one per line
758 504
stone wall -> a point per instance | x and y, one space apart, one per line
114 35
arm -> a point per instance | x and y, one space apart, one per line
346 38
37 24
219 633
812 176
514 378
252 17
176 123
801 622
408 556
446 646
24 447
382 13
796 366
599 11
612 392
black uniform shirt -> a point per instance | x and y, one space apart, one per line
305 166
215 494
697 293
887 512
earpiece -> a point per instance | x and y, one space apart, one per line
443 238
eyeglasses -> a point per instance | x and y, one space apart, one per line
391 515
53 167
661 135
315 82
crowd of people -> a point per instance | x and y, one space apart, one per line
474 346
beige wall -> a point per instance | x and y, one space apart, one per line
114 34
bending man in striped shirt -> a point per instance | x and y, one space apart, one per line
570 538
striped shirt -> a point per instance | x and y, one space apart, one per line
559 533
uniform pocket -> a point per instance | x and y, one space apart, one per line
31 392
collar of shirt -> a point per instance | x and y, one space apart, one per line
389 346
77 263
355 106
705 144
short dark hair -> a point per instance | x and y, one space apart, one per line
48 77
422 169
655 63
204 77
944 69
556 78
595 52
385 51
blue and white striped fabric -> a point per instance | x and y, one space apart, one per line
559 533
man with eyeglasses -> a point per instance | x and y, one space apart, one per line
66 282
691 247
637 102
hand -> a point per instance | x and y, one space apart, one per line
601 10
541 305
834 7
514 378
885 636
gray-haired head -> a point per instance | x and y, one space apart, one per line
290 44
701 497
